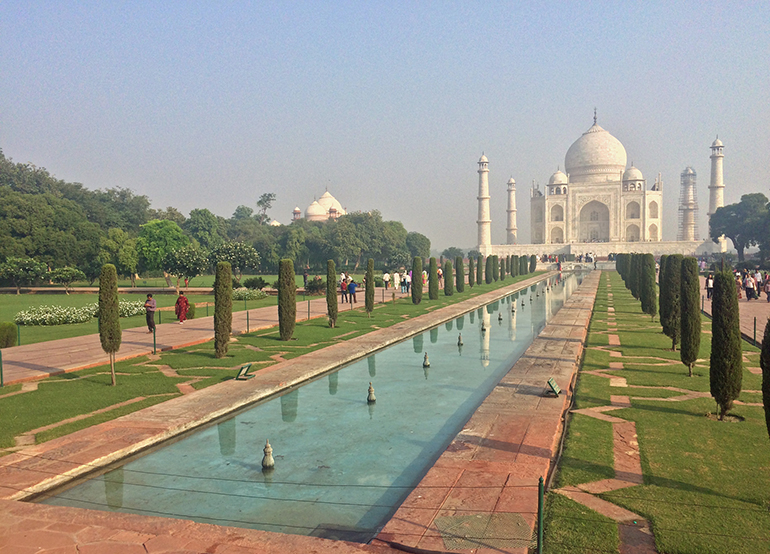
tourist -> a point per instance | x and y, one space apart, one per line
767 288
304 276
344 289
408 281
396 280
181 307
440 274
386 279
352 291
748 284
709 285
150 306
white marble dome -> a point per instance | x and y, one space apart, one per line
716 143
595 157
316 212
632 174
327 201
558 178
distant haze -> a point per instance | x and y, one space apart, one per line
389 105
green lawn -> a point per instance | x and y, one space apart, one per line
74 394
706 483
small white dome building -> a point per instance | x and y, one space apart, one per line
326 207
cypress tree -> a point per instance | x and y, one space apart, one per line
523 265
515 265
449 288
480 270
471 273
369 293
689 304
532 263
223 308
670 290
764 363
287 302
433 280
488 273
460 274
495 268
726 356
661 279
502 269
416 280
109 314
662 265
633 276
649 290
507 265
331 293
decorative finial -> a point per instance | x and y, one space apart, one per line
594 116
267 461
426 361
371 398
460 340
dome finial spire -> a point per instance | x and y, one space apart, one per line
594 116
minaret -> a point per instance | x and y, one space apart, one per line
717 186
485 221
688 207
511 211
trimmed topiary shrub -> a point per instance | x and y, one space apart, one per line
670 289
331 293
649 290
726 357
514 265
488 271
689 303
369 293
460 274
416 280
255 283
287 301
764 363
223 309
523 268
109 314
191 311
480 270
471 273
7 334
532 263
449 288
495 268
433 280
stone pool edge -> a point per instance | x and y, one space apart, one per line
37 470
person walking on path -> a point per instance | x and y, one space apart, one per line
386 279
344 290
396 280
408 281
150 306
709 285
767 288
181 307
352 291
304 277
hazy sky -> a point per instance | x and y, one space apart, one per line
389 104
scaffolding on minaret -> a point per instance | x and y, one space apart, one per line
688 206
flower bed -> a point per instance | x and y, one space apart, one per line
248 294
60 315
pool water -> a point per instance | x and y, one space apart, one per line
342 465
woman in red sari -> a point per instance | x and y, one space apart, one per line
181 307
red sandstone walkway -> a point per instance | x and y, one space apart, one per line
37 361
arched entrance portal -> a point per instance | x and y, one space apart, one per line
594 222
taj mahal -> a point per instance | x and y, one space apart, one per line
600 204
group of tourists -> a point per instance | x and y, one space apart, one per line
752 284
181 307
348 288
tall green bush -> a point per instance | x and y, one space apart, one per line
109 314
416 280
369 294
433 280
449 285
502 269
726 357
495 268
480 270
523 265
649 289
287 301
670 290
331 293
689 304
223 308
532 263
7 334
764 363
514 265
488 272
471 273
460 274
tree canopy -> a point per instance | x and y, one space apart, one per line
744 223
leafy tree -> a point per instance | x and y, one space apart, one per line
109 314
533 263
764 363
689 303
475 254
264 203
21 271
287 305
223 308
66 276
489 270
743 223
170 213
460 274
369 293
331 293
418 244
416 280
157 239
726 356
240 256
471 273
433 280
203 226
670 289
186 263
119 249
649 290
452 252
448 279
243 212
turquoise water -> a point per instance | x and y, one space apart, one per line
342 466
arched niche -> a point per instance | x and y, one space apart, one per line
632 210
557 213
594 222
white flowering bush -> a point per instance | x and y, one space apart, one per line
248 294
60 315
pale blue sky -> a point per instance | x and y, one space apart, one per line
388 104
